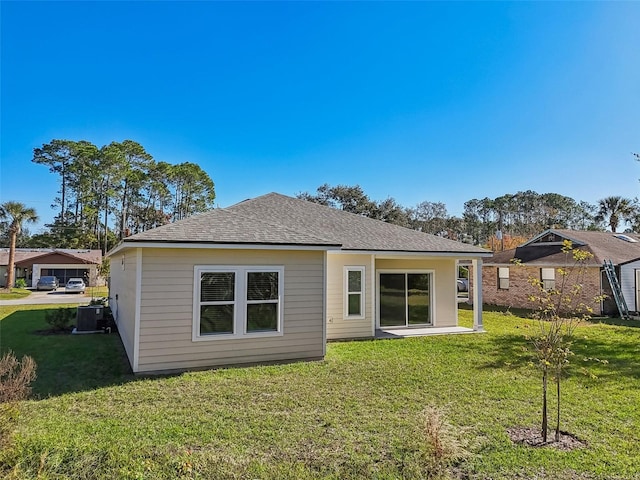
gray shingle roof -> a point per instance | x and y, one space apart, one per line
224 226
603 246
279 219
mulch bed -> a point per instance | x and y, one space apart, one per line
532 437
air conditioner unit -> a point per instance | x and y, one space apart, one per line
87 318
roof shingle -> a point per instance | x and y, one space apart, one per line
279 219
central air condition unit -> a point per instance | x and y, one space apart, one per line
87 318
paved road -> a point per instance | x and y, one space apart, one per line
43 298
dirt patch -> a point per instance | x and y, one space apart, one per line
532 437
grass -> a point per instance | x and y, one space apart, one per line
97 292
357 414
14 294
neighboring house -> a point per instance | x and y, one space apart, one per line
33 263
508 285
272 279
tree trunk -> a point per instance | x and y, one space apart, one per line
12 259
123 213
558 410
106 216
545 423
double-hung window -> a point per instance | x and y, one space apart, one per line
237 301
548 278
354 292
503 278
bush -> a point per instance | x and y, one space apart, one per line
443 444
21 283
99 301
15 385
60 319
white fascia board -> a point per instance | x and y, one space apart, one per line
219 246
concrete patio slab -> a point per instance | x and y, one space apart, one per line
422 332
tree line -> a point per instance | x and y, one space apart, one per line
515 217
109 192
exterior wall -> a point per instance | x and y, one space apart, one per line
445 289
339 327
629 285
166 310
122 297
517 296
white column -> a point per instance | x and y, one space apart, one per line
477 294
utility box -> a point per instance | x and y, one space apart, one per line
87 318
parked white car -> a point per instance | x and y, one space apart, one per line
75 285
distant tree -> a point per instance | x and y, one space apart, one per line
193 190
507 242
430 217
57 156
615 209
352 199
14 214
22 240
479 219
391 211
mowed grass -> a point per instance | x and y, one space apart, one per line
14 294
357 414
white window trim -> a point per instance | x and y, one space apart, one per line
548 275
240 302
346 270
502 276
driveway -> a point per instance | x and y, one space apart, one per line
43 298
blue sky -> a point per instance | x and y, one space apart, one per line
417 101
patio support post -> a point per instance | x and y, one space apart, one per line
476 263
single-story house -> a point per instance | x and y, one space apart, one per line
272 279
64 263
506 284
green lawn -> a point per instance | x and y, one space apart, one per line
357 414
14 294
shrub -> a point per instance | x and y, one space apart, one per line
21 283
443 444
60 319
15 385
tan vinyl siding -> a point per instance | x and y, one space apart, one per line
166 321
123 285
339 327
445 271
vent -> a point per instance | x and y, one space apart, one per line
626 238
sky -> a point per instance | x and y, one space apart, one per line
442 102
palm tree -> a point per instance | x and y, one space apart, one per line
14 214
614 209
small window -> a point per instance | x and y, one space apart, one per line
354 292
548 277
503 278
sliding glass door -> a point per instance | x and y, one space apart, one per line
404 299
